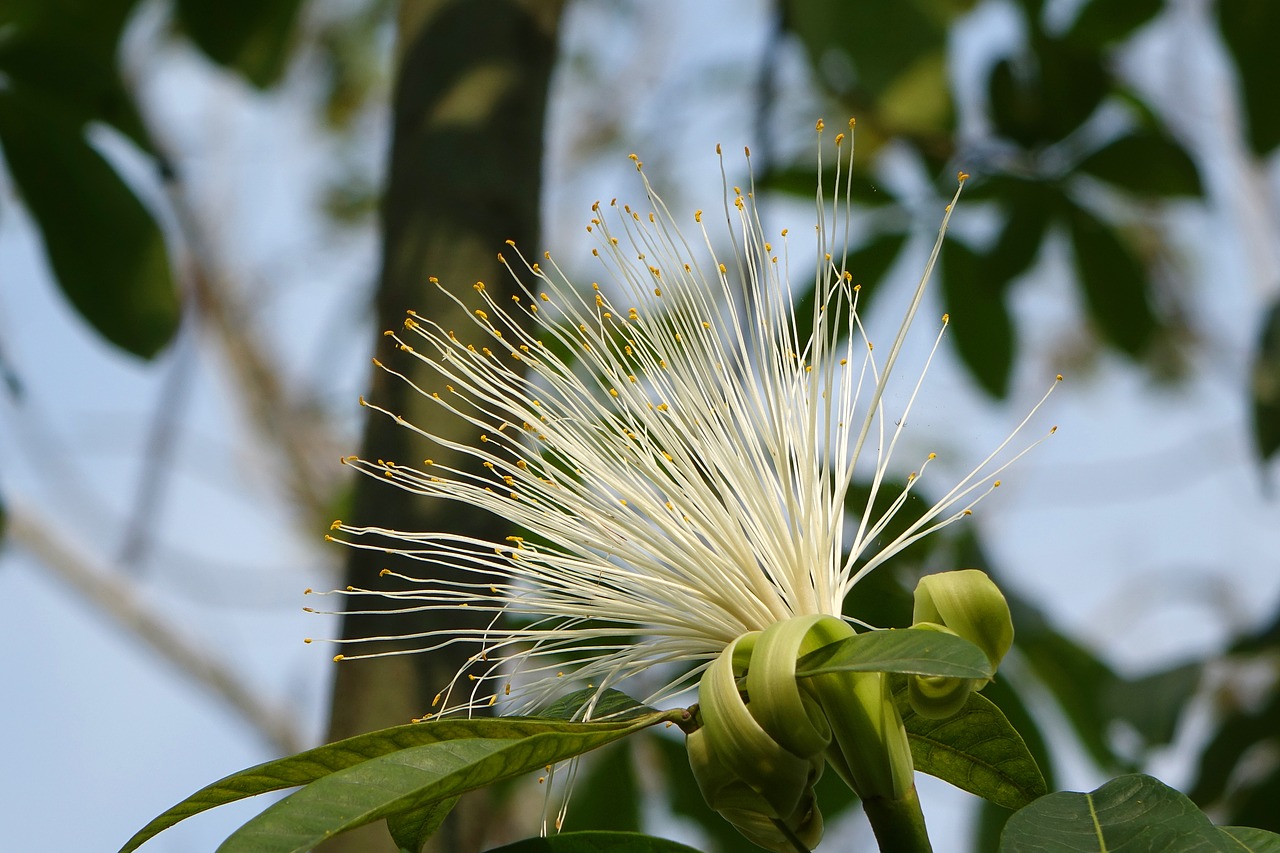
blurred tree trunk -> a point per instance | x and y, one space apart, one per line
464 176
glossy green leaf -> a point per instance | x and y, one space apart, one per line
1252 839
106 251
594 842
1114 282
410 829
1136 814
981 328
1266 385
612 705
1249 29
913 651
1102 22
977 750
249 36
500 747
1146 163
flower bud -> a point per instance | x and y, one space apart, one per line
968 604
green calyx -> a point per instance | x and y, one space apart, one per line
766 735
968 604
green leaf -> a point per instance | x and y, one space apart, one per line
249 36
980 327
106 251
1249 29
497 743
913 651
1135 813
1102 22
1251 839
593 842
65 50
1145 162
411 829
1114 282
977 750
1153 704
612 705
1266 386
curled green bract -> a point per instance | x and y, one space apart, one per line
968 604
765 735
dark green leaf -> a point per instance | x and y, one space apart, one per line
914 651
1134 813
1249 29
410 829
1146 163
981 327
605 794
1019 242
799 180
519 736
1251 839
1266 386
1244 797
105 249
1114 283
1102 22
612 705
65 50
977 750
594 842
1153 704
249 36
1073 82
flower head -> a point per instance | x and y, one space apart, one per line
676 449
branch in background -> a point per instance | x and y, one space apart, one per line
117 599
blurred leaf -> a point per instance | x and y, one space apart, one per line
1145 162
1046 96
977 750
1077 679
1114 282
1249 29
105 249
65 50
1266 385
1132 813
980 326
249 36
1102 22
915 651
800 181
411 829
1020 239
684 797
1218 783
593 842
1153 704
868 265
886 55
368 777
605 793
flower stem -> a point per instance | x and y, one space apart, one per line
898 823
790 836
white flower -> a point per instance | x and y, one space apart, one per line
683 479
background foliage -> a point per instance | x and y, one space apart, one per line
1074 165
